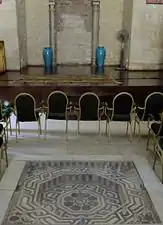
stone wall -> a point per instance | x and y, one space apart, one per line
146 48
37 29
111 21
144 22
76 32
8 33
38 36
22 32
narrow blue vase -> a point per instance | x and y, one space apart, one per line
100 56
48 59
100 70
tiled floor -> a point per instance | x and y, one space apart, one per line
80 192
83 147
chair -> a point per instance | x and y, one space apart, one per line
159 153
5 114
89 109
3 144
122 110
57 108
155 130
26 111
153 105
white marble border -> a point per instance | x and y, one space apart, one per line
8 185
12 175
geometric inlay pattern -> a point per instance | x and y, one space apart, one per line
80 192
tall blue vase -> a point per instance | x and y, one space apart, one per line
100 56
48 59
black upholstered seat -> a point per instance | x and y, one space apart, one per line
89 109
121 117
122 109
153 105
25 110
57 108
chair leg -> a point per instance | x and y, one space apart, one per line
106 128
45 131
18 127
154 142
66 126
109 133
1 150
161 172
66 129
130 131
16 130
154 161
127 128
10 125
40 130
6 133
99 129
134 127
6 155
139 130
148 139
78 127
5 136
1 159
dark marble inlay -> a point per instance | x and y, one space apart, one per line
80 192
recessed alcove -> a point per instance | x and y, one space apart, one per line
77 28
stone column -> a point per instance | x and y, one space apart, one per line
95 28
52 29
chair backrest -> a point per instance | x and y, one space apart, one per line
89 105
153 105
25 107
57 103
123 103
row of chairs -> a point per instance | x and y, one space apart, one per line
89 107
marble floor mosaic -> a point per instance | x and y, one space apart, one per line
77 192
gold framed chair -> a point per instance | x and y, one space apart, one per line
5 114
158 152
153 105
89 109
57 108
155 130
3 144
122 110
26 111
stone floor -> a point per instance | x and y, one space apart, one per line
86 146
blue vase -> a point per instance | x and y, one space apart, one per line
100 70
100 56
48 59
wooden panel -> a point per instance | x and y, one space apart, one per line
2 57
